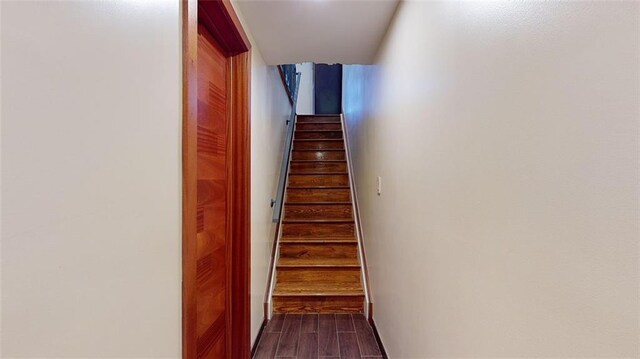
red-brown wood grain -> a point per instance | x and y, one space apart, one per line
216 181
212 240
219 17
318 270
311 126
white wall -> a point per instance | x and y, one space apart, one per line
91 189
270 108
306 102
506 135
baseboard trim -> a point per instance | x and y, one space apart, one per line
377 335
259 336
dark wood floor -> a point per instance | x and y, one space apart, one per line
305 336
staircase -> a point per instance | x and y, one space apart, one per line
318 270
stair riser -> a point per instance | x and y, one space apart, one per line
318 145
333 250
318 230
318 195
321 135
310 126
302 118
317 167
318 180
321 304
318 155
316 211
345 278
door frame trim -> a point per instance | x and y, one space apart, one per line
220 19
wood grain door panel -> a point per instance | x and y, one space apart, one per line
215 181
212 269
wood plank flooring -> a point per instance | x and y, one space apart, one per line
308 336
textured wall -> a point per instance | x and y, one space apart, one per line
270 109
305 93
506 136
91 193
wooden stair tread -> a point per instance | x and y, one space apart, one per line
320 122
311 161
318 262
319 130
319 126
318 173
315 203
318 149
326 293
320 135
318 119
318 139
306 289
297 240
305 220
319 187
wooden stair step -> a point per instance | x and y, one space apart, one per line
318 161
319 251
318 155
301 130
318 240
319 150
318 118
318 144
324 303
315 194
318 211
319 279
313 262
315 126
317 135
298 298
324 180
310 173
298 167
319 187
303 203
317 121
294 290
316 220
318 230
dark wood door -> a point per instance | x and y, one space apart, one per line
213 247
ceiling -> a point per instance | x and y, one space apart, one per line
322 31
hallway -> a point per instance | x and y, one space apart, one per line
382 178
318 335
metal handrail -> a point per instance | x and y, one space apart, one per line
284 167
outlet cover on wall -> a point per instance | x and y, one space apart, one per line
379 185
